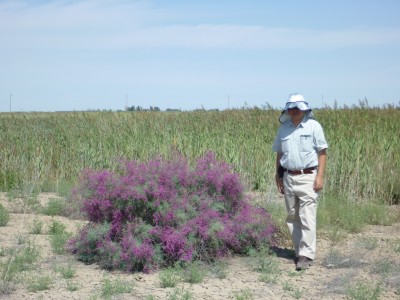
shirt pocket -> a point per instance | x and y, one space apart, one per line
285 144
306 142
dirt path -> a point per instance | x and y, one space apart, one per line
360 260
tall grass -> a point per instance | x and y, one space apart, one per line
54 148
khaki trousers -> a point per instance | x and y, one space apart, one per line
301 205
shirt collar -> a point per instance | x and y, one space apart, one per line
290 123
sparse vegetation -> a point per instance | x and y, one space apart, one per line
4 216
396 246
112 287
364 291
294 291
337 214
37 226
180 294
58 242
194 272
18 260
170 277
218 269
385 267
369 243
264 261
67 271
56 228
244 294
72 286
39 283
335 259
54 207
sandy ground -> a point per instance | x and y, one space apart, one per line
326 279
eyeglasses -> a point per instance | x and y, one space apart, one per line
293 108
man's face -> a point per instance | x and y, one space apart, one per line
296 115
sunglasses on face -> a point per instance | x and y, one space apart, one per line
293 108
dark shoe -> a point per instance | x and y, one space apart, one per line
303 263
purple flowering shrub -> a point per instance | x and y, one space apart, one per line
146 215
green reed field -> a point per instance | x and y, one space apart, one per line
50 150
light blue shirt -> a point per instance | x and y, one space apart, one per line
300 145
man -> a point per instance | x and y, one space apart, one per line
300 164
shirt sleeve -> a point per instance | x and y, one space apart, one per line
277 145
319 138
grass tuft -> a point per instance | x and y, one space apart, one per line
37 226
39 283
112 287
170 277
364 291
53 207
180 294
264 261
4 216
244 294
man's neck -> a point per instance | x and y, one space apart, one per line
297 122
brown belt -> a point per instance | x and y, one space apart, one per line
299 172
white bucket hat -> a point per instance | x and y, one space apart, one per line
295 100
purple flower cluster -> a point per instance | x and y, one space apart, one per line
145 215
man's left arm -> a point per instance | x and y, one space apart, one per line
319 179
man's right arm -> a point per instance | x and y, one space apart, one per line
278 178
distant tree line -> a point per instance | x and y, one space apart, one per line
139 108
362 104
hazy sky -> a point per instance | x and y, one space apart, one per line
102 54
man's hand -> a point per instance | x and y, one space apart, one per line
279 184
319 180
318 183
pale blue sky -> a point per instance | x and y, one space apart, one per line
100 54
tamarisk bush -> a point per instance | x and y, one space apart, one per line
154 214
